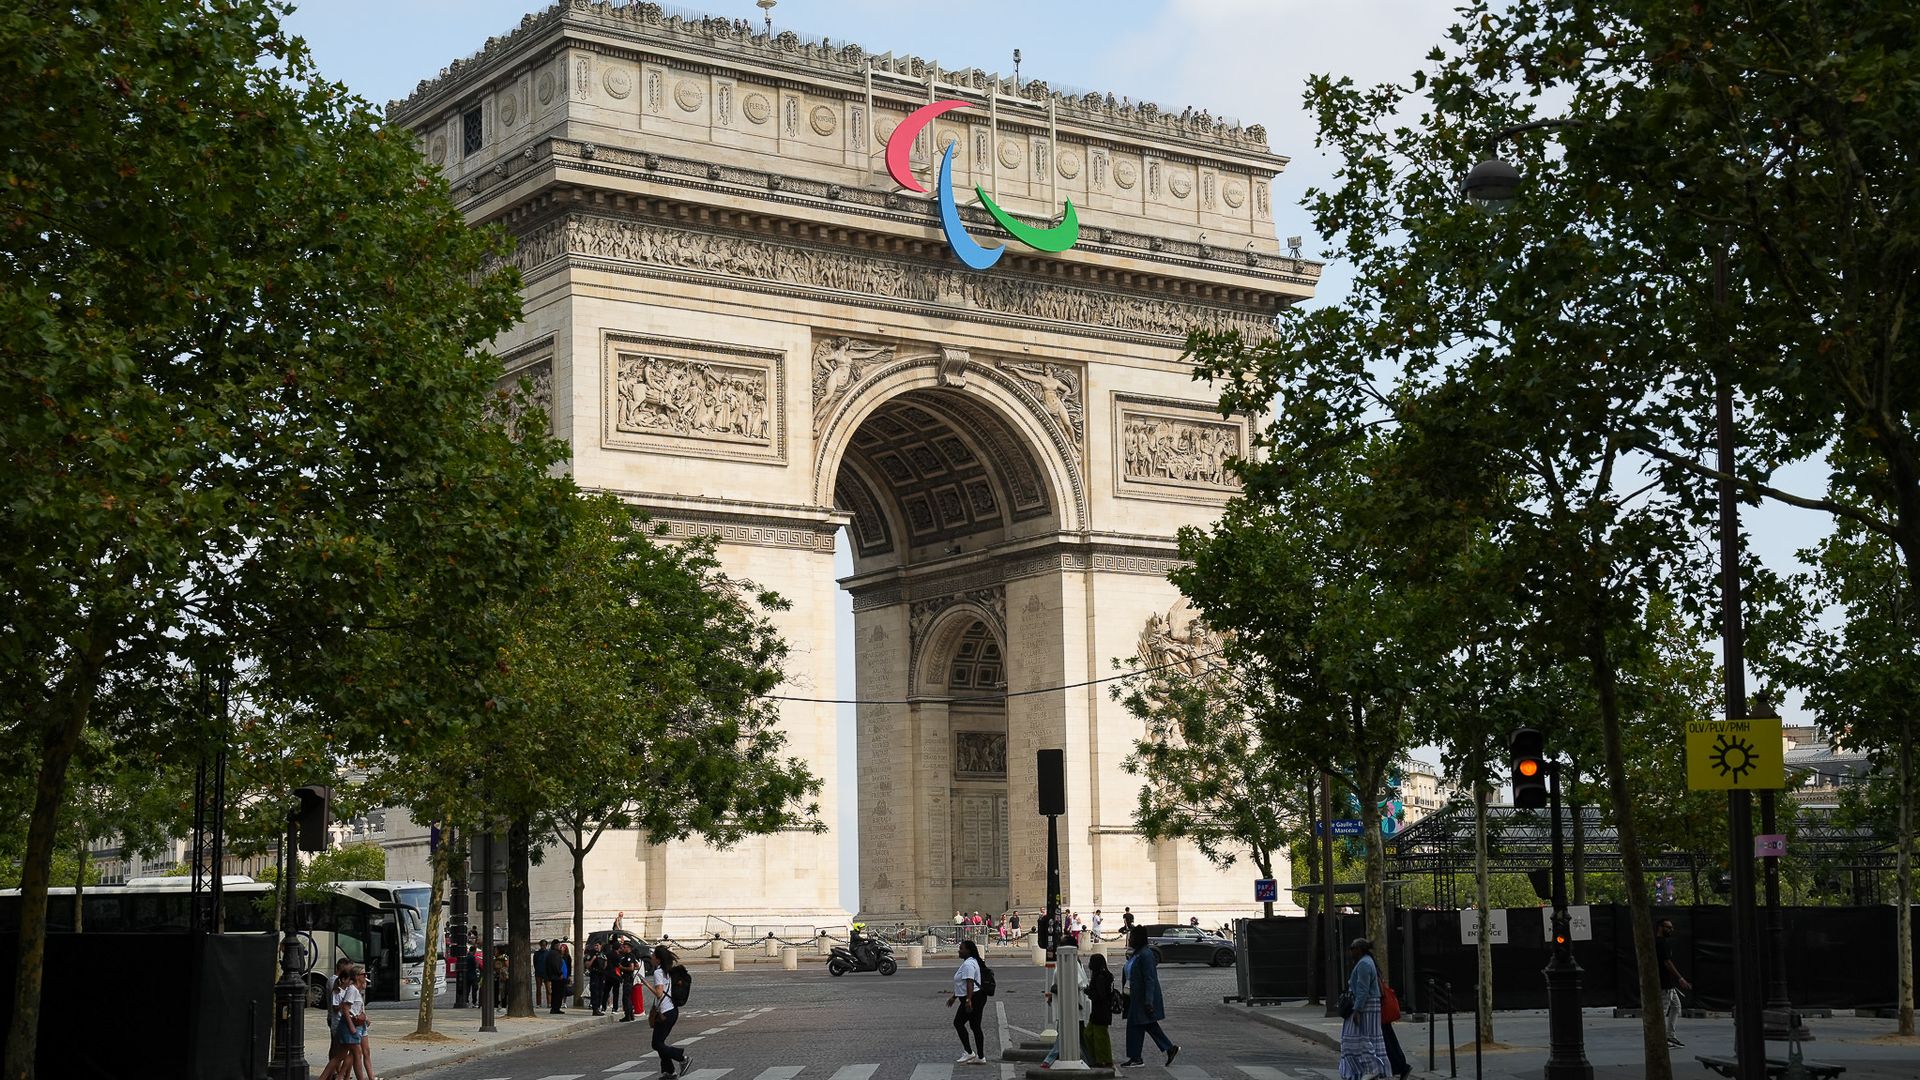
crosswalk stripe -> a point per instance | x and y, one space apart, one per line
933 1072
855 1072
713 1031
621 1066
1263 1072
690 1041
709 1074
629 1076
780 1072
1188 1072
564 1076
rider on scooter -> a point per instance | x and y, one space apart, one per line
860 945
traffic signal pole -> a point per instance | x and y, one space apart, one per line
1536 785
1566 1035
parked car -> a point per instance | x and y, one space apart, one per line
1173 943
611 939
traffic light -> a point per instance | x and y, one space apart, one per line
1529 769
313 816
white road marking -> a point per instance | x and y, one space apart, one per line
730 1023
855 1072
780 1072
622 1065
708 1074
713 1031
691 1041
1262 1072
933 1072
1188 1072
564 1076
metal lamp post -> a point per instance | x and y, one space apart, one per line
1493 183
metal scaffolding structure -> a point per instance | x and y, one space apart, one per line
1439 847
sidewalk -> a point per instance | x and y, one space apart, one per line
1867 1047
394 1056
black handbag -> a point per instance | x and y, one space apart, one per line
1346 1006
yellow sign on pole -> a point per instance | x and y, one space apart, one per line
1735 755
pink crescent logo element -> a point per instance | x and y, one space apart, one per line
900 143
965 248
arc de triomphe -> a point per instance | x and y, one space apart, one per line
745 325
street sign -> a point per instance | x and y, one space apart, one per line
1579 923
1348 826
1769 846
1735 755
1266 890
1496 926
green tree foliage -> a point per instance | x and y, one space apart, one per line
1327 582
1212 770
244 327
1843 634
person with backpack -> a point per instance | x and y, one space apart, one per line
1102 1001
971 988
672 985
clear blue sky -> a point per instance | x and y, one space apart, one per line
1247 59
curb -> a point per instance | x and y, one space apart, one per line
1304 1031
517 1042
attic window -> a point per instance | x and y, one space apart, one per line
470 131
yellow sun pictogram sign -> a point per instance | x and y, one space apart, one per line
1742 755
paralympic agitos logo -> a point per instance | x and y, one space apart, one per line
965 247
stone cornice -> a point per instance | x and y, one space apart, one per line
767 264
1057 555
729 42
780 190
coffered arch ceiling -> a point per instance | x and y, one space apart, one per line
933 468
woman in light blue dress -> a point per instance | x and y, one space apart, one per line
1363 1049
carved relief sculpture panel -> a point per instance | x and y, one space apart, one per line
1174 450
535 407
694 398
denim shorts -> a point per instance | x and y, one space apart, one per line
351 1035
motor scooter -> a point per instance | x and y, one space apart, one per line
874 956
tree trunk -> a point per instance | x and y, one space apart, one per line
1653 1020
1483 951
520 918
1903 877
1376 920
423 1024
36 869
579 852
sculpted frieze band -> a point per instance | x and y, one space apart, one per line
765 261
662 395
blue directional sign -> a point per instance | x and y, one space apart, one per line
1266 890
1348 826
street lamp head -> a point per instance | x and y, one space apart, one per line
1492 184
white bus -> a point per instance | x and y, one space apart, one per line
380 924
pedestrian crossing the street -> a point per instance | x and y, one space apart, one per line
945 1070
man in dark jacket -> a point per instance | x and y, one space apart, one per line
625 967
557 975
540 975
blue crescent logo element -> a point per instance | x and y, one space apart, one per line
968 250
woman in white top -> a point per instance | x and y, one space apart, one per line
665 1012
966 991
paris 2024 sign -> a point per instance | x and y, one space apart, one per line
965 247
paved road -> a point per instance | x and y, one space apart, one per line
773 1025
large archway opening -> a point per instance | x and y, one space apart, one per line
944 490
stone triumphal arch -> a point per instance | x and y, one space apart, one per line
743 324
